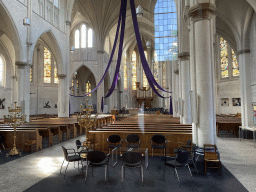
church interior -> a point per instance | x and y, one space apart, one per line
153 84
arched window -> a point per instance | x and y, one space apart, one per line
90 38
134 70
88 88
155 66
224 57
235 66
228 60
166 30
31 74
125 72
50 67
145 81
83 36
47 65
77 39
2 70
56 79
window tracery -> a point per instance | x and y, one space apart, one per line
2 70
134 70
224 58
235 66
83 37
145 81
125 71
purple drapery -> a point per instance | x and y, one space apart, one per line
110 59
114 82
151 80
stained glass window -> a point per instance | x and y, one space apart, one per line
83 36
224 58
88 88
145 81
90 38
125 71
31 73
235 66
1 71
165 17
134 70
56 79
47 65
77 39
73 86
164 75
155 68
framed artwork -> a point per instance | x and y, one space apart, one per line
236 101
224 102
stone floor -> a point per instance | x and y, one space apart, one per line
239 157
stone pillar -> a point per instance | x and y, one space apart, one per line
202 16
63 108
185 87
245 83
23 88
100 90
175 90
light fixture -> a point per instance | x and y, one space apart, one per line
148 44
139 11
26 21
72 49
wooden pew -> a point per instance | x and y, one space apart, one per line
23 135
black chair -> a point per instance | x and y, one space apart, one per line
132 141
97 159
158 142
114 141
182 145
181 160
192 151
132 159
75 157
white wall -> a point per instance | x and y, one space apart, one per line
228 89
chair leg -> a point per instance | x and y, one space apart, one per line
86 172
62 165
92 170
122 174
106 170
74 164
66 170
189 170
3 146
177 174
195 166
205 165
141 172
152 152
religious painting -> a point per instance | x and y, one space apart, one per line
236 101
224 102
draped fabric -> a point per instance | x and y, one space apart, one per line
111 57
151 80
114 82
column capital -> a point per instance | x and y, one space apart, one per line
68 23
184 56
21 64
202 10
62 76
243 51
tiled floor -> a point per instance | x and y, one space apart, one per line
238 156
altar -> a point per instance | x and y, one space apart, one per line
133 111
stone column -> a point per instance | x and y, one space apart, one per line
63 108
245 83
100 90
23 88
185 87
202 16
175 90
